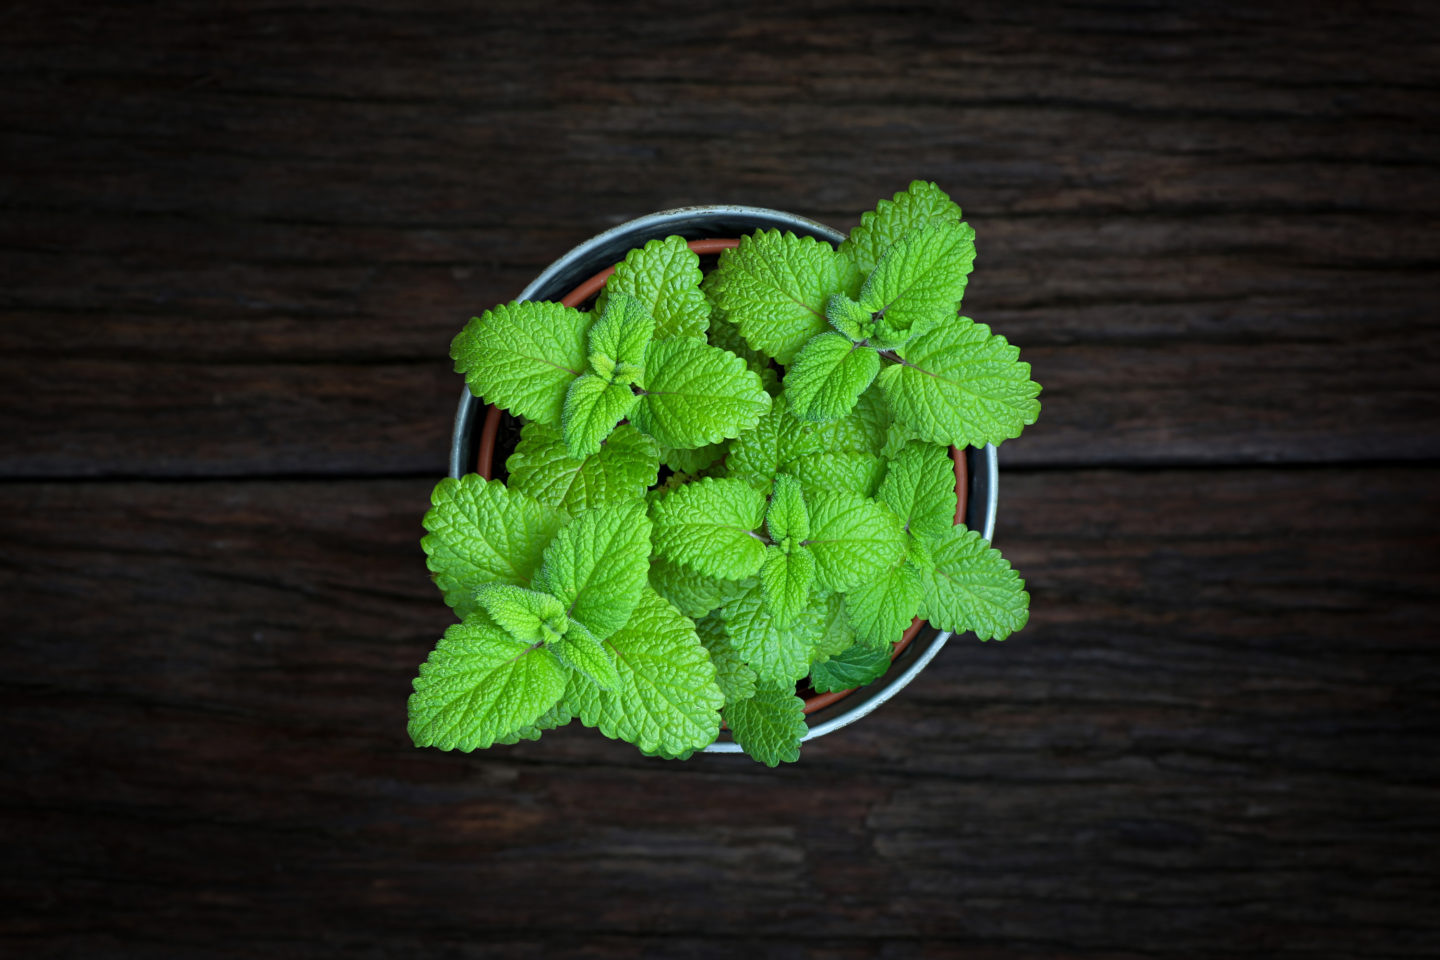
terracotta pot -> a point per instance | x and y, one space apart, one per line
475 437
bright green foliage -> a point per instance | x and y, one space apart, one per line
736 680
774 288
776 654
920 488
480 532
666 700
828 376
881 608
598 565
664 275
919 281
580 651
770 725
709 526
695 394
480 684
526 615
802 400
854 667
961 386
852 539
592 409
522 356
920 204
626 465
972 587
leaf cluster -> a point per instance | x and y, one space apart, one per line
726 485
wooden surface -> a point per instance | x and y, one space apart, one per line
235 241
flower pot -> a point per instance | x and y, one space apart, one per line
580 273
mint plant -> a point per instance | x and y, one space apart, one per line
728 487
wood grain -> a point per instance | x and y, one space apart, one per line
1222 709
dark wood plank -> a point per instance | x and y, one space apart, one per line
256 229
1215 738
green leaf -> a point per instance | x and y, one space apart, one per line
881 608
480 684
851 668
849 318
598 565
920 488
922 203
526 615
972 587
774 287
858 473
961 386
480 532
523 355
556 716
828 377
579 650
770 725
697 394
736 680
862 430
693 593
693 461
667 700
852 538
786 516
541 466
664 276
592 409
619 338
757 456
776 654
707 525
786 579
920 280
836 634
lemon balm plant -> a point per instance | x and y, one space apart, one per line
726 485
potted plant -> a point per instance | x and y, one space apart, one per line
728 488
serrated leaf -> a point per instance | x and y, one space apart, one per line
758 455
836 634
664 276
774 288
480 684
921 203
693 593
849 318
556 716
776 654
858 473
579 650
666 700
707 525
961 386
697 394
851 668
598 565
897 435
619 338
828 376
592 409
735 679
852 538
770 725
881 608
862 430
480 532
920 280
786 579
786 516
972 587
526 615
522 356
920 488
541 466
693 461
